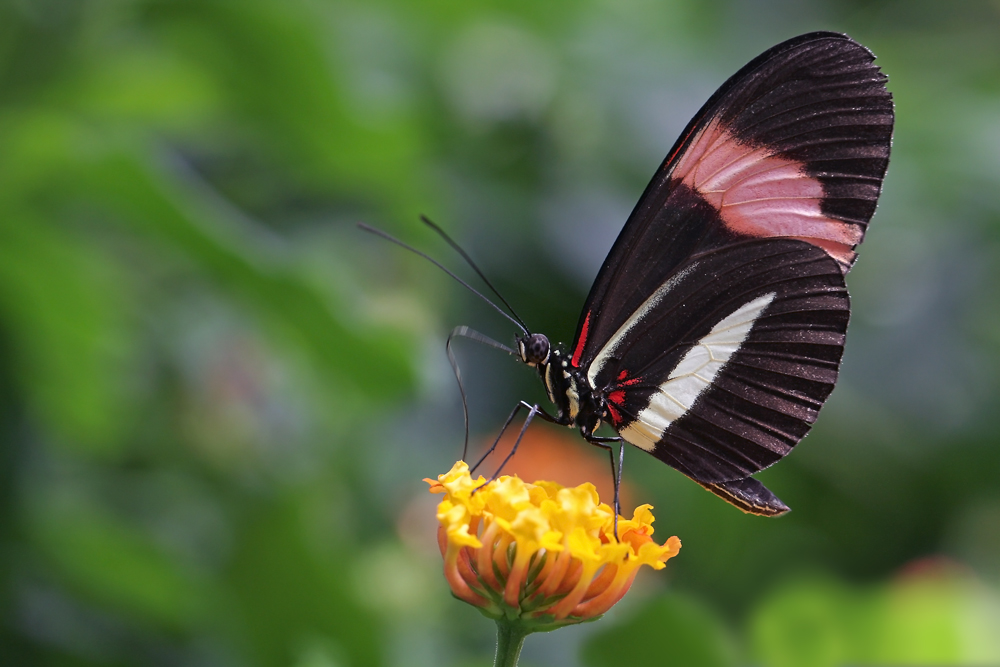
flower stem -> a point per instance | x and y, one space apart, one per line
510 639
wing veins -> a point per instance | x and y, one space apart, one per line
622 352
759 199
813 116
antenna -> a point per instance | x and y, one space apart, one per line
427 221
466 332
388 237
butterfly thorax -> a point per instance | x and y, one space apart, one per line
568 387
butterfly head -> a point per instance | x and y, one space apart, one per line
534 349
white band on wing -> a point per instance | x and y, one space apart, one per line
694 374
609 348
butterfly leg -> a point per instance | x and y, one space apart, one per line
616 475
533 411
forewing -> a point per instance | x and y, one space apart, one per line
794 145
724 369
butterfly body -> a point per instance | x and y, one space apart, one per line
578 403
714 331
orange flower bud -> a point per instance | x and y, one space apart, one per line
539 554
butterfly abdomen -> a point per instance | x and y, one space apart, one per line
577 404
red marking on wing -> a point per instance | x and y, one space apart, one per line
622 382
616 417
579 344
617 397
680 145
761 194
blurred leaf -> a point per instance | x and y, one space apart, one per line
930 617
62 302
288 595
145 85
939 617
375 362
807 623
117 566
671 629
278 65
154 201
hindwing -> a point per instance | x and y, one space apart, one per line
725 369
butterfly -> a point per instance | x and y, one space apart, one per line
714 331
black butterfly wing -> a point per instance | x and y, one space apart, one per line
795 144
734 257
723 370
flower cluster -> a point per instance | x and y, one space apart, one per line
539 553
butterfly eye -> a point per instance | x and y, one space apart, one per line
534 349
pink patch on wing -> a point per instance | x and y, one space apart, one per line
760 194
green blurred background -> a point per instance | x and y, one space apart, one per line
218 397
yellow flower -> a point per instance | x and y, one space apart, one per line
539 554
